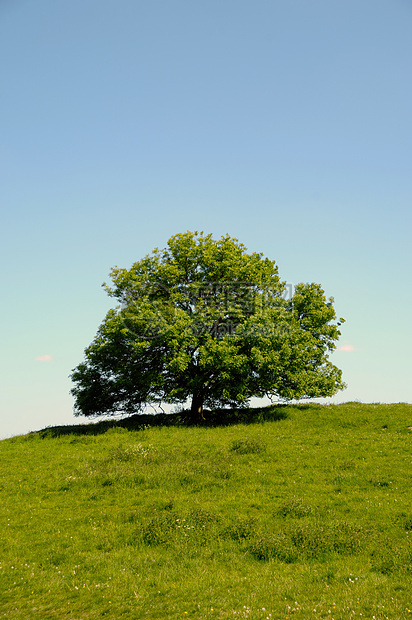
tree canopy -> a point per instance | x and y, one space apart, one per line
204 320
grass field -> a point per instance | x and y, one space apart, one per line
295 512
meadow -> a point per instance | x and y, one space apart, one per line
297 511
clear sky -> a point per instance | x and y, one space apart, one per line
284 123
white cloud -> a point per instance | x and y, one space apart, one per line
348 348
44 358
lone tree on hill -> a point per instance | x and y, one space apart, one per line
204 320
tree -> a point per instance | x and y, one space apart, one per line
204 320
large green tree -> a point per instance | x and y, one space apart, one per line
204 320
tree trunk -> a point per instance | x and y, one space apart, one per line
197 406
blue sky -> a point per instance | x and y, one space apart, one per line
285 123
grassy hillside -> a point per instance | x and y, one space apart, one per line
305 512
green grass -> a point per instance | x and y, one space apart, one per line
290 512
